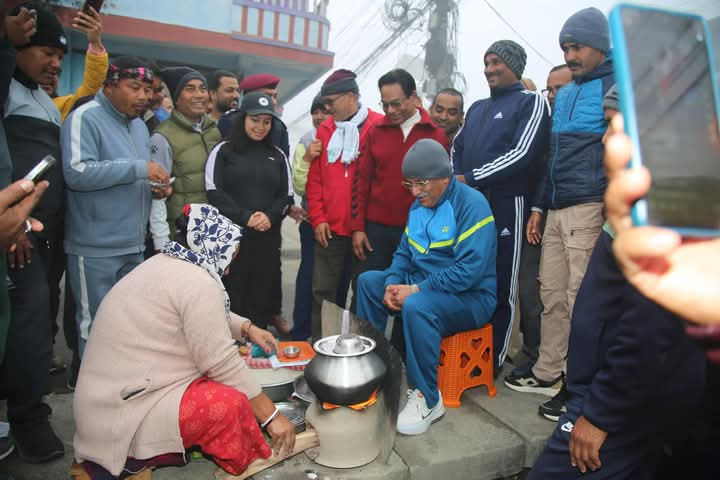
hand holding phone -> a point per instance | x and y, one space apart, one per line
669 99
161 185
21 27
156 173
95 4
40 171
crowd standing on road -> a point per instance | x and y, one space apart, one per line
163 213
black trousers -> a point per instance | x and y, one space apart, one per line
24 374
55 262
529 291
328 271
253 275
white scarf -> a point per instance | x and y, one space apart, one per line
345 141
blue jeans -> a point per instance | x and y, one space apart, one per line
427 317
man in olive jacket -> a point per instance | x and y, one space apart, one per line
182 144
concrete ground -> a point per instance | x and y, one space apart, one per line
486 438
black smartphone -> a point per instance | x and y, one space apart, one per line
668 92
40 170
96 4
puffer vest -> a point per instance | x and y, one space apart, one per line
190 150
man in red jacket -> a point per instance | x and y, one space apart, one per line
330 181
380 203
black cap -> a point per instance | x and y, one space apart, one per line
257 103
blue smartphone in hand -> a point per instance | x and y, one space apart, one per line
667 84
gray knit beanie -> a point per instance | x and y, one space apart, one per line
611 100
587 27
427 159
511 53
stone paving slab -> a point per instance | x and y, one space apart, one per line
518 411
300 467
466 443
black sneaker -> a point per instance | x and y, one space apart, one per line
7 446
555 407
36 441
529 383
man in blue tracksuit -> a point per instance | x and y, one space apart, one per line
442 277
503 139
635 380
106 161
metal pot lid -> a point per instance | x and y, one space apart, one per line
347 345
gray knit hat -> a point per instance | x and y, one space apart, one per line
511 53
427 159
611 100
587 27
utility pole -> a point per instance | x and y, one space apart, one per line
441 48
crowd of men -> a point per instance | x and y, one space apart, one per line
527 235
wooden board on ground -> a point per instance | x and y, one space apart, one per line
303 441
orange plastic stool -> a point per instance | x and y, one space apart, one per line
466 360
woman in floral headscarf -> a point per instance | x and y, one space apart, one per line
161 372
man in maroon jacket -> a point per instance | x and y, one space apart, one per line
330 181
380 203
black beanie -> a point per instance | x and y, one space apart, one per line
50 32
511 53
177 77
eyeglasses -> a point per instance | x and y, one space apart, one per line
329 102
553 90
394 104
410 185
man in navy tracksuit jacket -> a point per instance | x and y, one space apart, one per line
503 138
635 379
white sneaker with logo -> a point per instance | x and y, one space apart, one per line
416 417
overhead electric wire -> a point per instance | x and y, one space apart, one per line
499 15
377 52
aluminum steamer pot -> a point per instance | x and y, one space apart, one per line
346 370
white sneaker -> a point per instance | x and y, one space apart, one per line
416 417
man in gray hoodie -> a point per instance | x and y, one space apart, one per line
110 181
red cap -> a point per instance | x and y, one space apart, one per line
258 81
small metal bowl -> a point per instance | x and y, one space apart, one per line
291 352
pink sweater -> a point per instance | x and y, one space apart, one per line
157 330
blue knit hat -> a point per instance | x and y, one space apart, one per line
587 27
